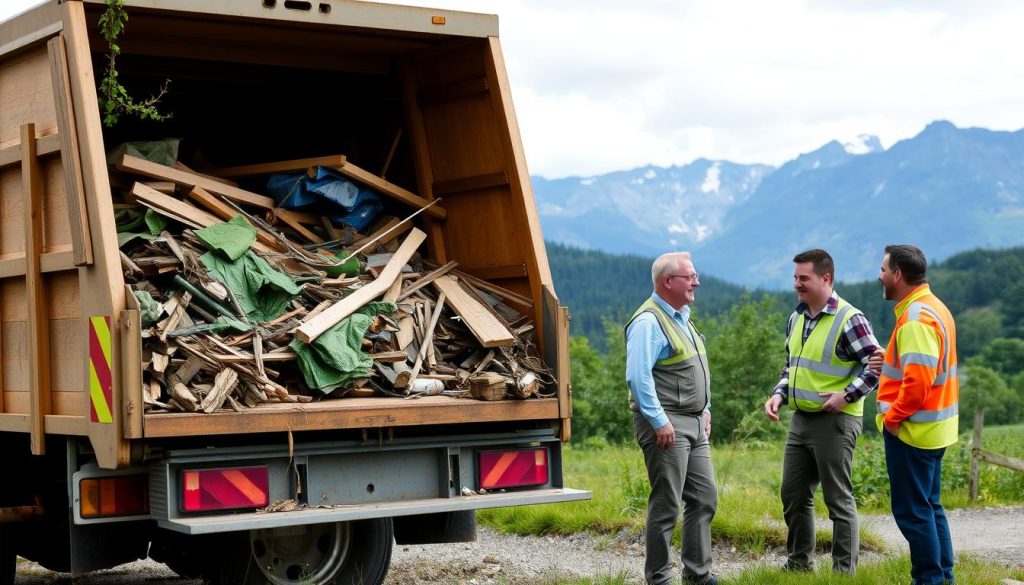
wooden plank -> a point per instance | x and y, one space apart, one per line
64 424
427 279
183 167
345 307
15 423
293 222
485 327
52 262
133 164
102 286
284 166
421 158
555 332
181 210
70 158
468 184
226 212
131 373
1002 460
45 145
351 413
425 347
504 293
979 423
38 325
390 189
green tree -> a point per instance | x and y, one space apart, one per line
1005 356
600 407
975 329
746 352
982 387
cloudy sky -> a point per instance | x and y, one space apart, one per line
602 86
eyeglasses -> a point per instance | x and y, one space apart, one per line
695 277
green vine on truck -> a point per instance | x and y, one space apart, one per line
113 97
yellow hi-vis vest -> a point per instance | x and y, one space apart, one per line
682 381
814 366
921 362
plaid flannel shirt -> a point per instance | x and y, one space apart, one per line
856 343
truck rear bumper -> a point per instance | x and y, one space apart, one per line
314 515
349 480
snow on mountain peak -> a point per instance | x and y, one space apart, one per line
711 179
863 144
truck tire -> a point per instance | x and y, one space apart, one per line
340 553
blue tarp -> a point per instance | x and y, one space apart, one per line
348 202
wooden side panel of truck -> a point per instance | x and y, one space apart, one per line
69 332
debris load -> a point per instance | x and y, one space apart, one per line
248 299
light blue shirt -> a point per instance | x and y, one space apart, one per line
645 345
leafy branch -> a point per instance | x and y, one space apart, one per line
114 98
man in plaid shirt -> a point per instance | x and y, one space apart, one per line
826 376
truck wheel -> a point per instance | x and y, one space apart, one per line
341 553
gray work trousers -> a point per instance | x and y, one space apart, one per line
681 473
819 449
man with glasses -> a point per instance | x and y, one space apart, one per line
670 396
829 369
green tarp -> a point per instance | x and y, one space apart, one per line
232 239
262 292
335 358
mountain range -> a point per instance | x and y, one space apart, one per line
945 190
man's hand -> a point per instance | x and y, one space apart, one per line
836 401
707 423
893 428
665 436
771 407
876 360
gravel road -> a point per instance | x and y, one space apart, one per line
989 533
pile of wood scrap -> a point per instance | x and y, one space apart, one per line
244 303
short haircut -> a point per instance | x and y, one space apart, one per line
821 260
909 260
665 261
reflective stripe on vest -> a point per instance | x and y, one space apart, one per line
822 370
925 415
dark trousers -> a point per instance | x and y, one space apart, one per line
915 484
680 474
819 450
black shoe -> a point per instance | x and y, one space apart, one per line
712 580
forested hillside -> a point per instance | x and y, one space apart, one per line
599 287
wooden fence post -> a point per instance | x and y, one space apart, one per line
979 422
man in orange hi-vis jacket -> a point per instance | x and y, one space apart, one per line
917 403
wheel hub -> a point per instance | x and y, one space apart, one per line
310 554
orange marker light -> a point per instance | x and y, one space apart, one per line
438 19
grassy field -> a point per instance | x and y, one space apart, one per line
749 513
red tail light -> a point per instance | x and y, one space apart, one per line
124 495
224 489
513 468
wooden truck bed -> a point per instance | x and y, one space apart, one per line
63 300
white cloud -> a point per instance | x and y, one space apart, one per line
602 85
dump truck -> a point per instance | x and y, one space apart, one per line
96 480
